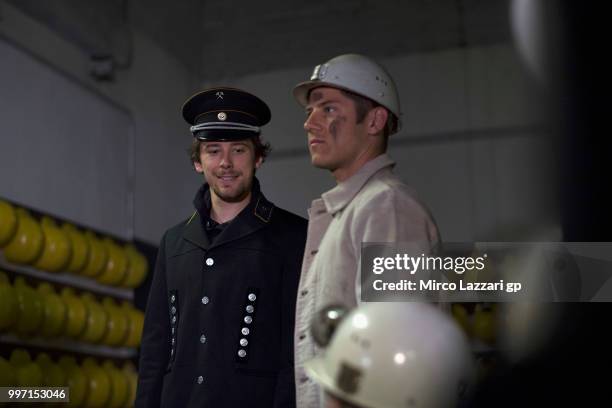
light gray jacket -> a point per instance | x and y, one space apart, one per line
373 205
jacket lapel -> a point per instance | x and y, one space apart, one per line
195 233
251 219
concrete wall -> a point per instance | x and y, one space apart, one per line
152 90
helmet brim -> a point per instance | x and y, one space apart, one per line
302 90
315 368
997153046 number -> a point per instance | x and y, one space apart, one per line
29 394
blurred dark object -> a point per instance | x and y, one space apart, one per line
584 108
565 372
325 322
559 43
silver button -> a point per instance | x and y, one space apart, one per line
245 331
241 353
200 380
210 261
172 299
171 351
248 319
205 300
173 330
244 342
202 339
173 310
250 309
173 319
252 297
173 341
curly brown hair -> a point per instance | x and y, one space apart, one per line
262 149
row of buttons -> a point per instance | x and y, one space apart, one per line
173 322
205 300
248 319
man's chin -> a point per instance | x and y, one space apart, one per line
319 163
231 197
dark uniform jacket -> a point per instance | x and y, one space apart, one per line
219 321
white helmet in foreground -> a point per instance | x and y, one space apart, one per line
387 355
355 73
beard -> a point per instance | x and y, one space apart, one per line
236 193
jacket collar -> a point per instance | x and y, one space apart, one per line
338 197
256 215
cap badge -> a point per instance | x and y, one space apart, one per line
219 95
319 72
221 116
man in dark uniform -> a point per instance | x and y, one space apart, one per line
220 315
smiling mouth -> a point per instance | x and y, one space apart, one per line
228 177
315 142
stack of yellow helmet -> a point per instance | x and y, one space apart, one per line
54 311
42 312
8 222
120 385
52 248
34 308
137 268
30 308
116 266
26 244
76 316
117 323
76 380
135 325
53 374
80 248
57 248
91 384
27 373
95 325
9 307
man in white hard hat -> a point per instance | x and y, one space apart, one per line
352 108
393 355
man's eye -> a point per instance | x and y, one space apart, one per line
212 151
329 109
239 149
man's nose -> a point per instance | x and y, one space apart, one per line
312 122
226 159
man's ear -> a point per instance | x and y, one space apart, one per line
376 120
258 162
198 167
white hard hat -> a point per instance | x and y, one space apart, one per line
355 73
386 355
